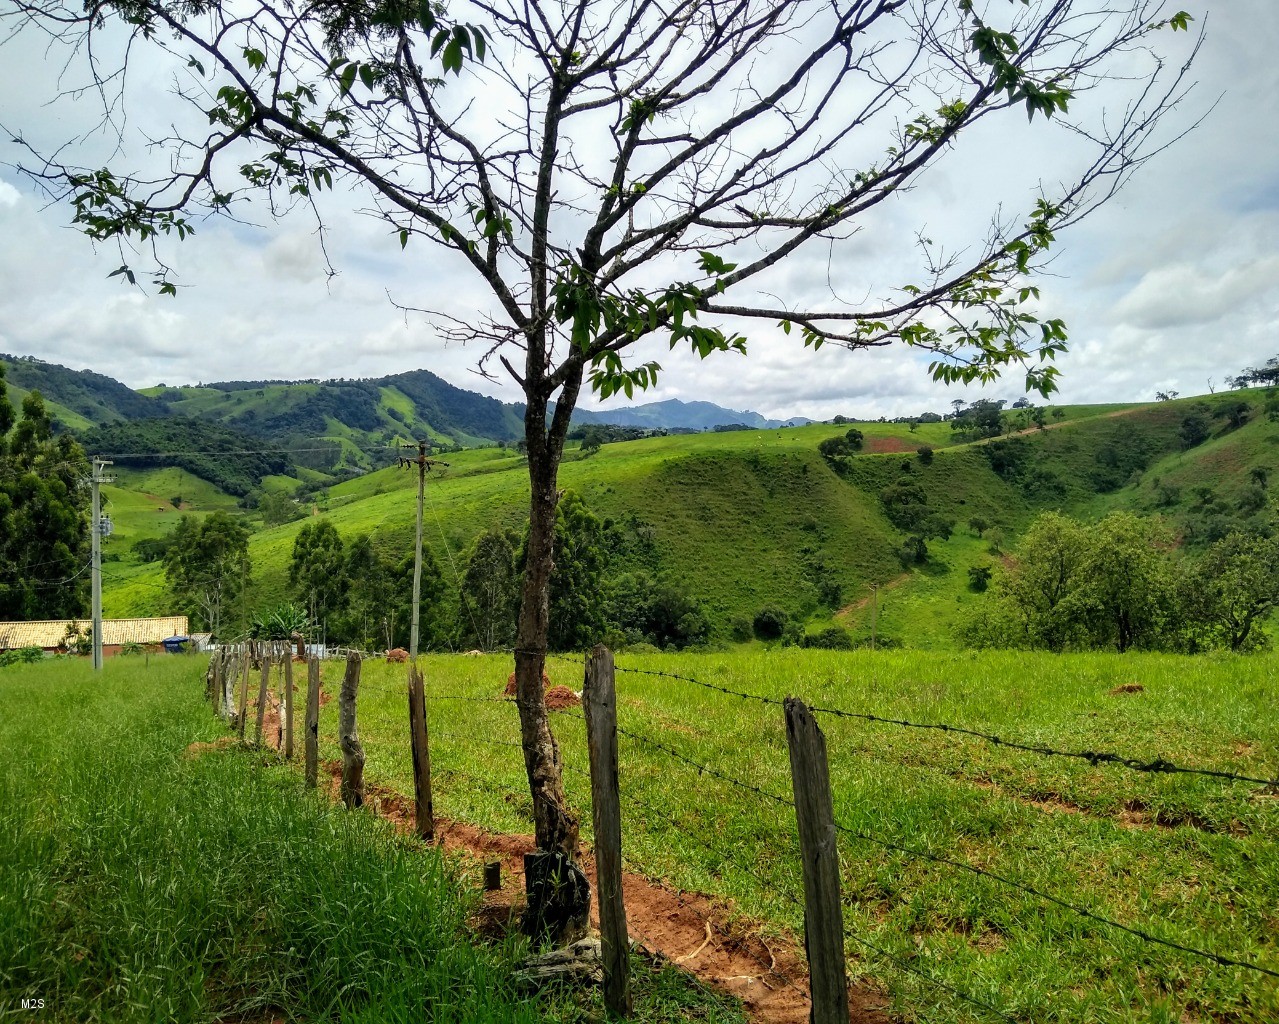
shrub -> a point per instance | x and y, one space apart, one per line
978 577
925 455
832 638
21 656
770 623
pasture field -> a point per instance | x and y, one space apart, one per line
140 881
1189 859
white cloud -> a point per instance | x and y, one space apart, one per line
1171 283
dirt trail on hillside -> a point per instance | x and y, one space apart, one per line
693 931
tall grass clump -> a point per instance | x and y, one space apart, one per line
140 882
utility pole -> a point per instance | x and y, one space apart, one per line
98 528
874 612
423 464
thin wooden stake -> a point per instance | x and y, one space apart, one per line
348 738
243 718
262 692
815 814
599 703
288 703
424 812
312 720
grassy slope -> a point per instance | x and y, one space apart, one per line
1208 876
140 884
70 417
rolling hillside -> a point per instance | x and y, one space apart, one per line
746 519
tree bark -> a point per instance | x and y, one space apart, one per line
348 738
554 913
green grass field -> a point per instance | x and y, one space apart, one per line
1189 859
140 883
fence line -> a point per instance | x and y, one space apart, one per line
918 854
1096 758
1158 765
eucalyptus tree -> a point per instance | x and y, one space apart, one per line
615 170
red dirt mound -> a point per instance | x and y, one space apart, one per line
510 684
560 697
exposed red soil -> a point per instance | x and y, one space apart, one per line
510 684
560 697
881 445
701 935
1127 688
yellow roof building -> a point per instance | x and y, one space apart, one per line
52 633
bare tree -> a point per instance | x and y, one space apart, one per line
616 169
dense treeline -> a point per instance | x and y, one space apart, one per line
1124 584
238 473
607 585
44 515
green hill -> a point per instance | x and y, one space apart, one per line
747 519
93 397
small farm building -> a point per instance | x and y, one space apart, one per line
55 635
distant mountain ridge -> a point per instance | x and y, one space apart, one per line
366 410
674 414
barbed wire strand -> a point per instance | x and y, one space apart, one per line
1096 758
918 854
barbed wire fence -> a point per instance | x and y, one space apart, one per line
668 748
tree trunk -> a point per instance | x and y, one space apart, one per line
557 910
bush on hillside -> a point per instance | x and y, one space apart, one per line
832 638
770 623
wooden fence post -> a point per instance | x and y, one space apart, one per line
211 677
424 812
262 692
288 703
348 739
228 682
243 718
823 916
312 720
599 703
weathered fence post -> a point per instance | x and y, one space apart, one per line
288 702
243 718
348 739
262 692
815 814
228 683
211 677
424 812
599 703
312 720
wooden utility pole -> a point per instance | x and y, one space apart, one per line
599 705
815 815
423 810
423 464
96 528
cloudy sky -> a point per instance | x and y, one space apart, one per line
1172 284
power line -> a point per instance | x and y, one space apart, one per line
247 451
